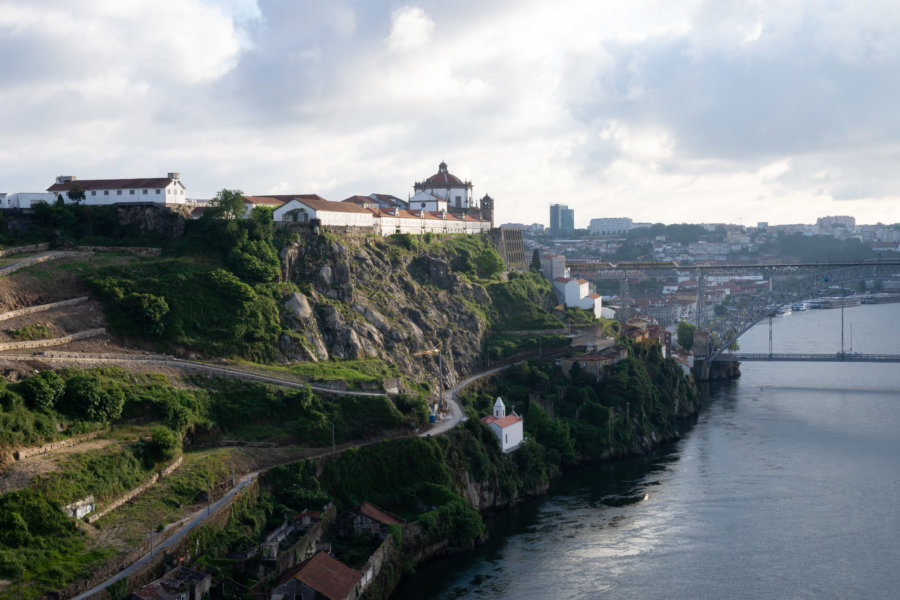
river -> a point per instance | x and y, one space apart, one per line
786 486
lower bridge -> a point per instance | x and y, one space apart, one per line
836 357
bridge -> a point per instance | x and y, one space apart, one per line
798 282
836 357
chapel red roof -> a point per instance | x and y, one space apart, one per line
504 422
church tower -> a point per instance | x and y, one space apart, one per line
499 408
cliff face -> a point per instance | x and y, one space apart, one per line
369 298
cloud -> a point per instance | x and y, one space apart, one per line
410 29
696 110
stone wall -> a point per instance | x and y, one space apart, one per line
153 568
72 441
140 251
41 308
53 341
23 249
27 262
135 492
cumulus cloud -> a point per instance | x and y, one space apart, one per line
695 110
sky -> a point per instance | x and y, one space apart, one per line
690 111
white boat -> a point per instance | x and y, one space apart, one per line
784 310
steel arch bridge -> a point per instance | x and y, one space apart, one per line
812 280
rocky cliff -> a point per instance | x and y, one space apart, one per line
373 298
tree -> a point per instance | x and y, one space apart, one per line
85 398
166 443
488 263
685 334
227 203
536 260
76 194
44 390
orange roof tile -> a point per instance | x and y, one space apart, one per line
329 577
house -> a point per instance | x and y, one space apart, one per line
508 429
160 190
596 363
251 202
368 518
320 577
181 583
577 293
307 208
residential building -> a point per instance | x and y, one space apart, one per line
368 518
577 293
842 220
610 226
181 583
320 577
553 266
508 428
167 190
310 207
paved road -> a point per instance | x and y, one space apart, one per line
196 519
451 397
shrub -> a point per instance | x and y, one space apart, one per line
85 398
165 444
43 391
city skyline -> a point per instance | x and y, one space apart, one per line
699 112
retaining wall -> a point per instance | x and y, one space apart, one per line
72 441
9 269
41 308
128 249
23 249
92 518
53 341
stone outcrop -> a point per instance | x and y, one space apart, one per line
363 299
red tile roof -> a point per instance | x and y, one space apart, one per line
317 203
331 578
504 422
111 184
373 512
562 279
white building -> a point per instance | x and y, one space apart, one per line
610 226
577 293
508 429
443 185
553 266
302 209
26 199
160 190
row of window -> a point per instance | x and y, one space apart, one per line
144 192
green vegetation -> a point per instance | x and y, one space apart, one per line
684 334
40 546
639 399
502 346
34 331
517 303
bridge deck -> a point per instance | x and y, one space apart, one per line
837 357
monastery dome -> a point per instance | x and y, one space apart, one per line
442 177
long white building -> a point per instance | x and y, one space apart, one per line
159 190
